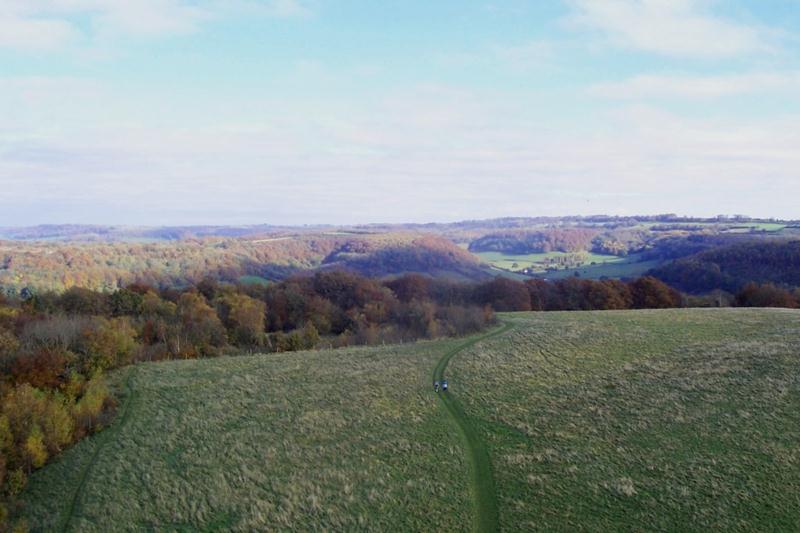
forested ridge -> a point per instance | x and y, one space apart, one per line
107 266
541 241
731 267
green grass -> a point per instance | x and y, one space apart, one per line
630 268
684 420
749 227
675 420
609 266
537 261
342 440
254 280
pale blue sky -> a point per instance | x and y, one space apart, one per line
293 111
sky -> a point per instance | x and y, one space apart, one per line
168 112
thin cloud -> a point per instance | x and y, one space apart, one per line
669 27
524 56
696 87
413 151
49 25
35 34
517 57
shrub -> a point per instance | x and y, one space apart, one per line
766 295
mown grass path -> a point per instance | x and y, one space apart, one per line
104 437
486 515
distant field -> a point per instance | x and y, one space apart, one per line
661 420
253 280
605 265
537 261
755 226
622 269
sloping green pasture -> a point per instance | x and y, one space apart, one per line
341 440
670 420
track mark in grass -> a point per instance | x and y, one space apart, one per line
486 516
103 437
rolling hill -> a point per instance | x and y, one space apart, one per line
56 266
730 267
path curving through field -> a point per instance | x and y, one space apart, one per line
103 437
486 515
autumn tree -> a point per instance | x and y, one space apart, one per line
504 294
41 367
410 287
125 302
765 295
202 333
650 293
81 301
106 344
243 317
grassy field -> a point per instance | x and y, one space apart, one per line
756 226
537 262
658 420
609 266
254 280
629 267
631 420
346 440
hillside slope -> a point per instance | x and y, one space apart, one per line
730 267
108 265
666 420
678 419
346 440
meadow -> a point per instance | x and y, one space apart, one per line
668 420
343 440
620 420
538 261
626 267
593 266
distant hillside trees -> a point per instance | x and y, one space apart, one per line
104 266
541 241
767 295
731 267
575 294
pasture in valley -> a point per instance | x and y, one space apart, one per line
586 264
674 419
628 267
